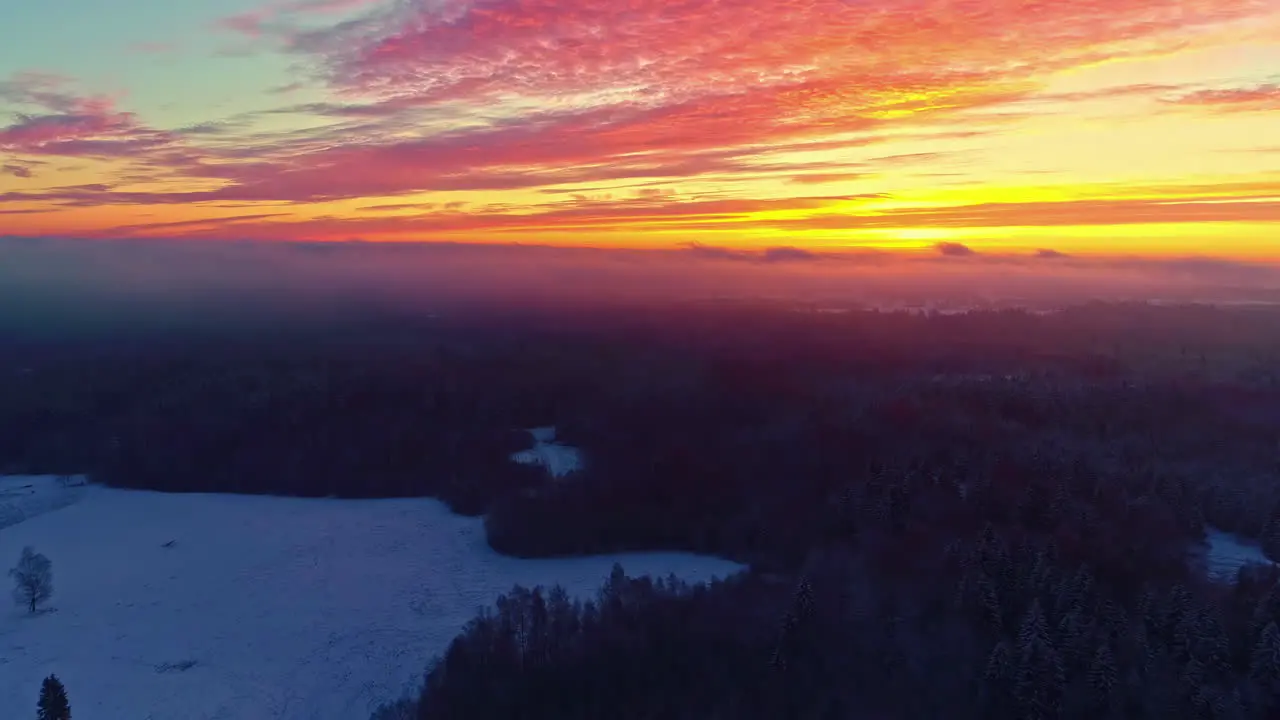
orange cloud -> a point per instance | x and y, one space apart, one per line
582 216
1260 98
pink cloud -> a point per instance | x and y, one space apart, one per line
1260 98
72 125
251 23
58 121
663 49
280 19
31 132
642 90
593 145
664 88
327 6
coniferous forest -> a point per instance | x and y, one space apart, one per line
986 515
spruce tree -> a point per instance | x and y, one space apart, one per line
1039 679
1034 627
997 682
1266 612
1271 538
1073 642
992 613
53 703
1264 664
1103 674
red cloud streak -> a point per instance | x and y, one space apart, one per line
1258 98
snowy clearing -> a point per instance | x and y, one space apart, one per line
196 607
25 496
1223 554
559 460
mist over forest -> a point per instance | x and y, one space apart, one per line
48 286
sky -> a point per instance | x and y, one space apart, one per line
1046 128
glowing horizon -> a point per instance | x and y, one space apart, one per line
1092 127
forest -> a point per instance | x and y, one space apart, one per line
988 514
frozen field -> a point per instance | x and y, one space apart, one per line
26 496
560 460
195 607
1223 554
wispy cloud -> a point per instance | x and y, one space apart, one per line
767 256
61 122
1258 98
16 170
676 50
954 249
663 116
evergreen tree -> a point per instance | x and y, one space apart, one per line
790 637
992 613
1267 610
1264 664
997 681
1034 627
1177 606
53 703
1040 677
1113 621
1271 538
1074 592
1102 673
1211 644
1146 609
1073 642
847 515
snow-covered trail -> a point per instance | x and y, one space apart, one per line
203 607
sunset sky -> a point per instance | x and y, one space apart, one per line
1118 127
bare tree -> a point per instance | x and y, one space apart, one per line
32 578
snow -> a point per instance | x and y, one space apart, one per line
203 607
559 460
26 496
1223 554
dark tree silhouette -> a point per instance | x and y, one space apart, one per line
53 704
32 579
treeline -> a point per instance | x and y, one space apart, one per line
414 413
748 470
1010 634
1067 602
721 429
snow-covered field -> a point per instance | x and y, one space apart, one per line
196 607
26 496
558 459
1223 554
